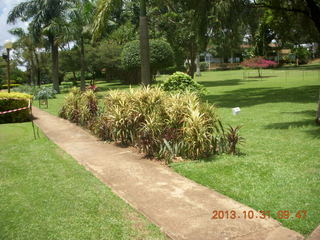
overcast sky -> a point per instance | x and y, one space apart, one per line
5 7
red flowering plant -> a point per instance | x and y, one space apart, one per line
258 63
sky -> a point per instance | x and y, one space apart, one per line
5 7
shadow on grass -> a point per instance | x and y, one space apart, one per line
312 130
247 97
300 68
230 82
261 77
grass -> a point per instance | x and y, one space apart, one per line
45 194
279 166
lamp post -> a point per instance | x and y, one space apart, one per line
8 47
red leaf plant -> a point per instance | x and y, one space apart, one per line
258 63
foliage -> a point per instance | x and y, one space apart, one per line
234 139
182 82
160 124
12 101
258 62
161 55
204 66
302 55
42 92
45 93
80 107
12 85
104 58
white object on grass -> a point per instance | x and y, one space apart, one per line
236 110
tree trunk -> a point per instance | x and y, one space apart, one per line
198 66
55 63
82 62
318 111
74 82
37 68
32 72
144 45
192 69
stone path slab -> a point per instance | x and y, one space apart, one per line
179 206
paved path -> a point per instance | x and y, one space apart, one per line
179 206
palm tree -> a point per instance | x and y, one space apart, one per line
104 9
80 18
46 15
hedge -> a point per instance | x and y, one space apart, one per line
11 101
13 85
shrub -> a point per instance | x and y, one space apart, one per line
42 92
13 85
302 55
45 93
80 108
161 57
160 124
11 101
182 82
204 66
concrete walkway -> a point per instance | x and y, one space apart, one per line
179 206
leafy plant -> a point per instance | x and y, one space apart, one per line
160 124
182 82
80 107
42 92
234 139
45 93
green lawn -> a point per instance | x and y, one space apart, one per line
279 167
45 194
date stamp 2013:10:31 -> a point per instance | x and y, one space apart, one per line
281 214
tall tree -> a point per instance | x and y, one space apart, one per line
144 45
78 28
186 26
29 51
44 15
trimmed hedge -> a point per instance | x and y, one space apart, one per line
11 101
13 85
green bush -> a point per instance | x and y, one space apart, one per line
5 86
12 101
45 93
42 92
204 66
302 54
182 82
161 57
80 107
